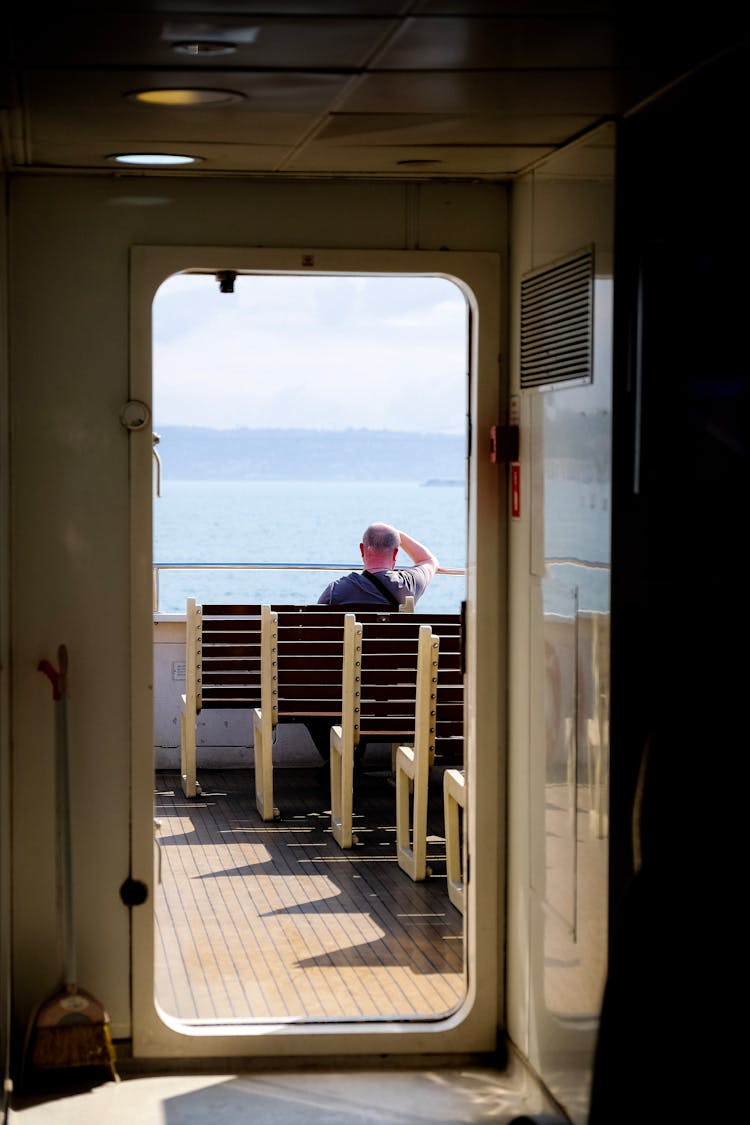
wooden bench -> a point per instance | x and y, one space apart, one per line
412 763
454 804
284 664
389 692
431 679
301 666
405 673
222 669
301 679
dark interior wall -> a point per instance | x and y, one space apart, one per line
681 412
679 594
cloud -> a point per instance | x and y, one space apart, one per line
312 352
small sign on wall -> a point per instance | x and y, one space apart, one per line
515 466
515 490
178 670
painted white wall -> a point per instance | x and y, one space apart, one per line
70 239
68 309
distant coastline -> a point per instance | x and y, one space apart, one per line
438 483
200 453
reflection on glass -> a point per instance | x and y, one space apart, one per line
576 424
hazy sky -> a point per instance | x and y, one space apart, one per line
313 352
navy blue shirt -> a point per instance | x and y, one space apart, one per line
357 589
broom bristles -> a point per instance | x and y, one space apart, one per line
72 1029
73 1045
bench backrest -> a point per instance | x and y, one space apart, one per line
393 662
223 647
309 663
304 672
393 697
310 651
223 655
389 659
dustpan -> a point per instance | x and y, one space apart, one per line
71 1027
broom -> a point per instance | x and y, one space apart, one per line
71 1027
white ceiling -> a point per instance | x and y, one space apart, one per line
471 89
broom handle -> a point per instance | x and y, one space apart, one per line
64 820
59 679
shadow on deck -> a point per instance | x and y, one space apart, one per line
273 921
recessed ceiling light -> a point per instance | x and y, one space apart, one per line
211 36
203 47
160 158
184 96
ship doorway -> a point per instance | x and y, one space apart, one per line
291 412
238 436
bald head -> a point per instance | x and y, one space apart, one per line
381 537
379 546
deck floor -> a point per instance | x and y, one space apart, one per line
273 921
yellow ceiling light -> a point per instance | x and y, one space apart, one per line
184 96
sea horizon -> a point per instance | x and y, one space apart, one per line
311 523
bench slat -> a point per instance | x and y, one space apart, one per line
245 700
234 662
238 637
216 680
301 647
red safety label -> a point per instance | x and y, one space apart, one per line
515 490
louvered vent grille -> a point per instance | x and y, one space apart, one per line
557 322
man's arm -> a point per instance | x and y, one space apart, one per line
418 553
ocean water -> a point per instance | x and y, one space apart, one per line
300 522
317 523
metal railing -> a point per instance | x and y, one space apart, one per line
158 567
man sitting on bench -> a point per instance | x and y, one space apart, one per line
381 582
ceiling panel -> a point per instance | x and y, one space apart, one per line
102 37
436 129
84 95
488 42
470 161
255 159
414 88
589 93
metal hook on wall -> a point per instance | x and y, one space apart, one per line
157 461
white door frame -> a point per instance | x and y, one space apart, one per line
474 1026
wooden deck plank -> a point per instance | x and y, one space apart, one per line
259 921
